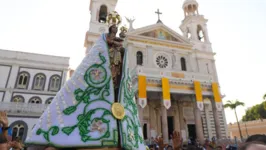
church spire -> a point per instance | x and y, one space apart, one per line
194 26
190 8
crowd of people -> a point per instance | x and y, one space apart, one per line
254 142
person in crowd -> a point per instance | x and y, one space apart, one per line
253 146
176 138
255 142
6 144
258 138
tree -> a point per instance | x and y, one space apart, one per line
255 112
233 105
264 97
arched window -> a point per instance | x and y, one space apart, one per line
183 64
19 130
39 81
103 14
35 100
23 80
49 101
54 84
139 58
200 33
18 99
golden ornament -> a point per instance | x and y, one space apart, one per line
118 111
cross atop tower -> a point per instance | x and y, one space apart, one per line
159 13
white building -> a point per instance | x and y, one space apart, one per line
157 51
28 82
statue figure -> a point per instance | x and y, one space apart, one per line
96 107
116 53
130 21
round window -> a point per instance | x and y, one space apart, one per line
162 61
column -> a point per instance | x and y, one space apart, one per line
158 120
176 117
152 121
181 120
140 115
164 125
216 120
198 123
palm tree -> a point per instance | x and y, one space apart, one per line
233 105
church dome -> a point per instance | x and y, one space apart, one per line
190 2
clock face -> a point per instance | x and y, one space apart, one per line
161 61
102 29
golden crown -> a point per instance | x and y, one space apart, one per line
113 18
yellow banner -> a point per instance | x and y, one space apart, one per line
142 87
198 91
216 93
166 89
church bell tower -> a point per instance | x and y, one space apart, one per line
99 9
194 26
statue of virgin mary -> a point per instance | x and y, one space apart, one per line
96 107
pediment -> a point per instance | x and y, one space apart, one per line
160 32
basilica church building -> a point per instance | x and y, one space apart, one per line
163 61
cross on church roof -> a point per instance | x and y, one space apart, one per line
159 13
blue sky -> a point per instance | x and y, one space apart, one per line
236 30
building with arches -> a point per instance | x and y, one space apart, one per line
184 61
28 83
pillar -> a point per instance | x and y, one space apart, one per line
152 121
140 115
181 119
176 117
216 120
198 123
158 121
164 125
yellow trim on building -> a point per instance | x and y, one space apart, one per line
166 89
142 86
198 91
178 87
216 93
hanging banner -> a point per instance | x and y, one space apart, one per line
217 96
166 93
198 93
142 91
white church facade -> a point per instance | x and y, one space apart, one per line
186 61
28 83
